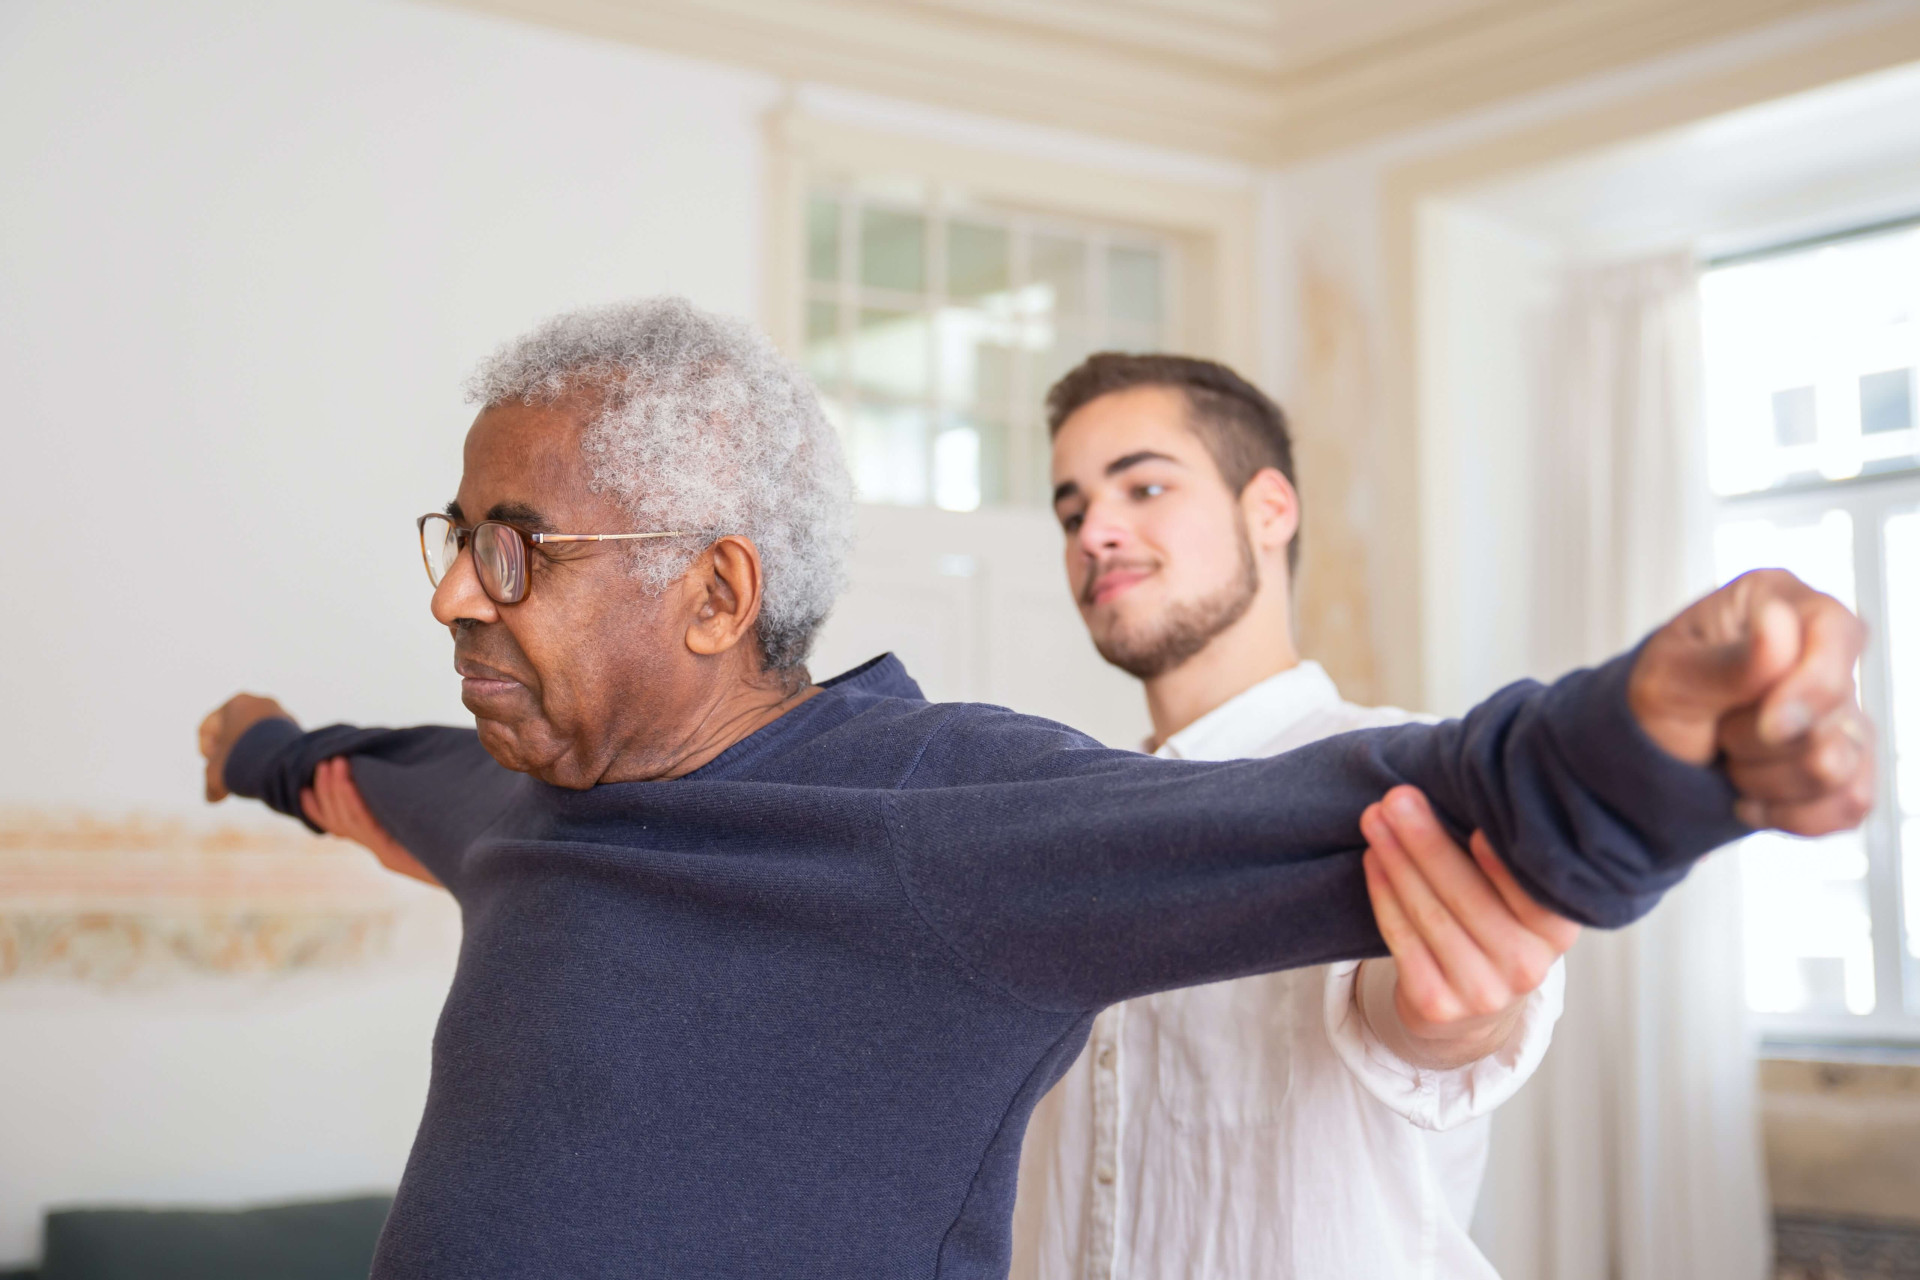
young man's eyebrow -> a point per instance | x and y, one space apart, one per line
1068 489
1121 463
454 513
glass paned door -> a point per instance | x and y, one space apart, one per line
934 328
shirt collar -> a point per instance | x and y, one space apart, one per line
1243 724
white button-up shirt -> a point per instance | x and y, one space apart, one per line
1256 1129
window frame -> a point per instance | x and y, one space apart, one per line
939 206
1869 501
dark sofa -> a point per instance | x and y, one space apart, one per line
315 1240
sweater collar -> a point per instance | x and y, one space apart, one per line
839 698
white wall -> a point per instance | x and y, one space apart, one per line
247 253
1485 297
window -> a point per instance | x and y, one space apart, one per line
934 326
1814 454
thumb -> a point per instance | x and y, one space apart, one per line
1723 653
1725 674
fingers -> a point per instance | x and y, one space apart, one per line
1559 932
1817 782
1477 984
337 807
1765 639
1445 866
1505 936
1760 675
1721 652
310 805
1839 811
216 784
1845 727
223 727
350 807
1829 758
1420 979
1821 680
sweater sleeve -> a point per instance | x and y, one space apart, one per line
1075 876
434 789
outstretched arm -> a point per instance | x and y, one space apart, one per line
1105 875
416 797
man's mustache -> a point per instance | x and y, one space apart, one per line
1101 568
482 646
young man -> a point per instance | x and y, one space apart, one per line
762 977
1320 1123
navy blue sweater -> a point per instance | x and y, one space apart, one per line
788 1015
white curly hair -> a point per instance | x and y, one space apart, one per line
698 423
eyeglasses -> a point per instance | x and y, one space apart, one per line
499 551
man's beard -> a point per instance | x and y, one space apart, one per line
1186 627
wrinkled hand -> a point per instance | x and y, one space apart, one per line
1469 946
1759 675
334 804
223 727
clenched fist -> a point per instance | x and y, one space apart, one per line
221 729
1759 676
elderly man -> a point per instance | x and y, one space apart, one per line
763 977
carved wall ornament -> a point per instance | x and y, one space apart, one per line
121 898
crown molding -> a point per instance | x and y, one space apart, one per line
1212 82
1491 58
921 55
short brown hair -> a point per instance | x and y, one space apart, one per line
1242 427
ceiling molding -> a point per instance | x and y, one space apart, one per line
943 60
1217 77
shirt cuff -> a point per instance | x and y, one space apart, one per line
1440 1099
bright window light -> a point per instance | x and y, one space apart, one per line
1810 361
1814 453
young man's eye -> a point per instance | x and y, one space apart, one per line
1148 490
1072 523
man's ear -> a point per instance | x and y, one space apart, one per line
727 585
1272 509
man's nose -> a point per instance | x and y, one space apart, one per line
1101 534
460 597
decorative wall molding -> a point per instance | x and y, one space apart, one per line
125 897
1262 80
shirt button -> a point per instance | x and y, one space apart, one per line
1104 1175
1106 1056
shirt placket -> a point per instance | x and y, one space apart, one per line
1103 1202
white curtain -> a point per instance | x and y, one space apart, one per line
1634 1154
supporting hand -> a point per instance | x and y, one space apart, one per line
335 805
223 727
1469 946
1760 673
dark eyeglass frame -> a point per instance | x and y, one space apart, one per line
500 551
